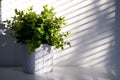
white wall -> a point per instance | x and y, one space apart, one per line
92 23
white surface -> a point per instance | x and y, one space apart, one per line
61 73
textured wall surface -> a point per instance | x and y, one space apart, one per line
92 23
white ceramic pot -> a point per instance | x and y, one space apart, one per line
41 61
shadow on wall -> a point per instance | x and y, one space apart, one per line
10 52
93 39
116 56
0 11
95 35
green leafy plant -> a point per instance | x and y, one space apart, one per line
35 29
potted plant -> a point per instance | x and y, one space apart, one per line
40 33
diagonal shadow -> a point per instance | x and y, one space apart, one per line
103 30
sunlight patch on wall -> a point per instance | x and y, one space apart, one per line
91 23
